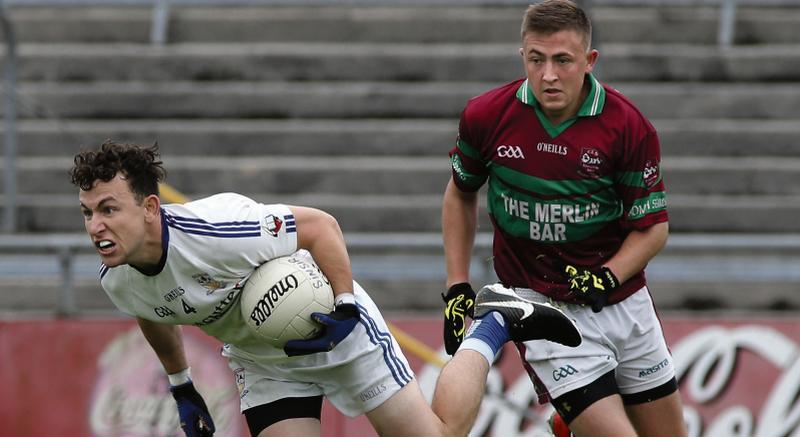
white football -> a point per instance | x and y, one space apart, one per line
279 297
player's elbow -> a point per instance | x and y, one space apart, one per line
326 224
659 233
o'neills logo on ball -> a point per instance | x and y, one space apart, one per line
267 303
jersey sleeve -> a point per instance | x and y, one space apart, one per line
239 232
469 168
640 184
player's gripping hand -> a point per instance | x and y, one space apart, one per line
336 326
195 418
459 303
593 287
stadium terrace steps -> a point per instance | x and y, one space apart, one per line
694 213
375 137
317 85
346 100
365 61
355 176
468 24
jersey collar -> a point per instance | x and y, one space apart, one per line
164 247
591 106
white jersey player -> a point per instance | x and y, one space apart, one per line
176 265
211 247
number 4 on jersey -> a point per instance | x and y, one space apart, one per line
188 309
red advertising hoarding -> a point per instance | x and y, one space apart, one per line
88 377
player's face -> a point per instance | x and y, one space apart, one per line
116 222
556 65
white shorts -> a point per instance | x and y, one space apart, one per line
357 376
625 337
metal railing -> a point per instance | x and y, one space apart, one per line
65 247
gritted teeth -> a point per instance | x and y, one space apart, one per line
104 244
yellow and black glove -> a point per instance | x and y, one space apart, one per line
459 303
592 287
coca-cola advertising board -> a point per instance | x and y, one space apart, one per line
92 377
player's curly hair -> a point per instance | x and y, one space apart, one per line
140 165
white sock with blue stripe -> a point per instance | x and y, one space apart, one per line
487 336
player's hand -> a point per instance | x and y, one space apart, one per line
593 287
459 303
195 418
336 326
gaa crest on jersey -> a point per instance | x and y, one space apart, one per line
650 173
272 225
590 162
210 284
238 375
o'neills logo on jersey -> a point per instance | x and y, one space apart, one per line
267 303
650 174
590 162
272 225
552 148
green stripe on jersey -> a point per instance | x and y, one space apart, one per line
468 150
545 187
469 179
562 220
643 206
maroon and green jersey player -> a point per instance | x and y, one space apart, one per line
560 194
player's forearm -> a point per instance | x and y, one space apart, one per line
637 250
167 342
459 224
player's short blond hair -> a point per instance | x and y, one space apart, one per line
551 16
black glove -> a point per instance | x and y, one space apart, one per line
195 418
460 301
593 287
337 325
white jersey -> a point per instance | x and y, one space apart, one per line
211 246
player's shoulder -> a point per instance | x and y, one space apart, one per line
220 203
620 107
229 215
113 279
488 103
218 208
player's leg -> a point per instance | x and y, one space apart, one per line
500 317
456 400
580 382
661 417
604 418
292 427
646 375
459 391
406 413
595 409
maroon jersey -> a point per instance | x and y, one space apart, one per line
560 194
